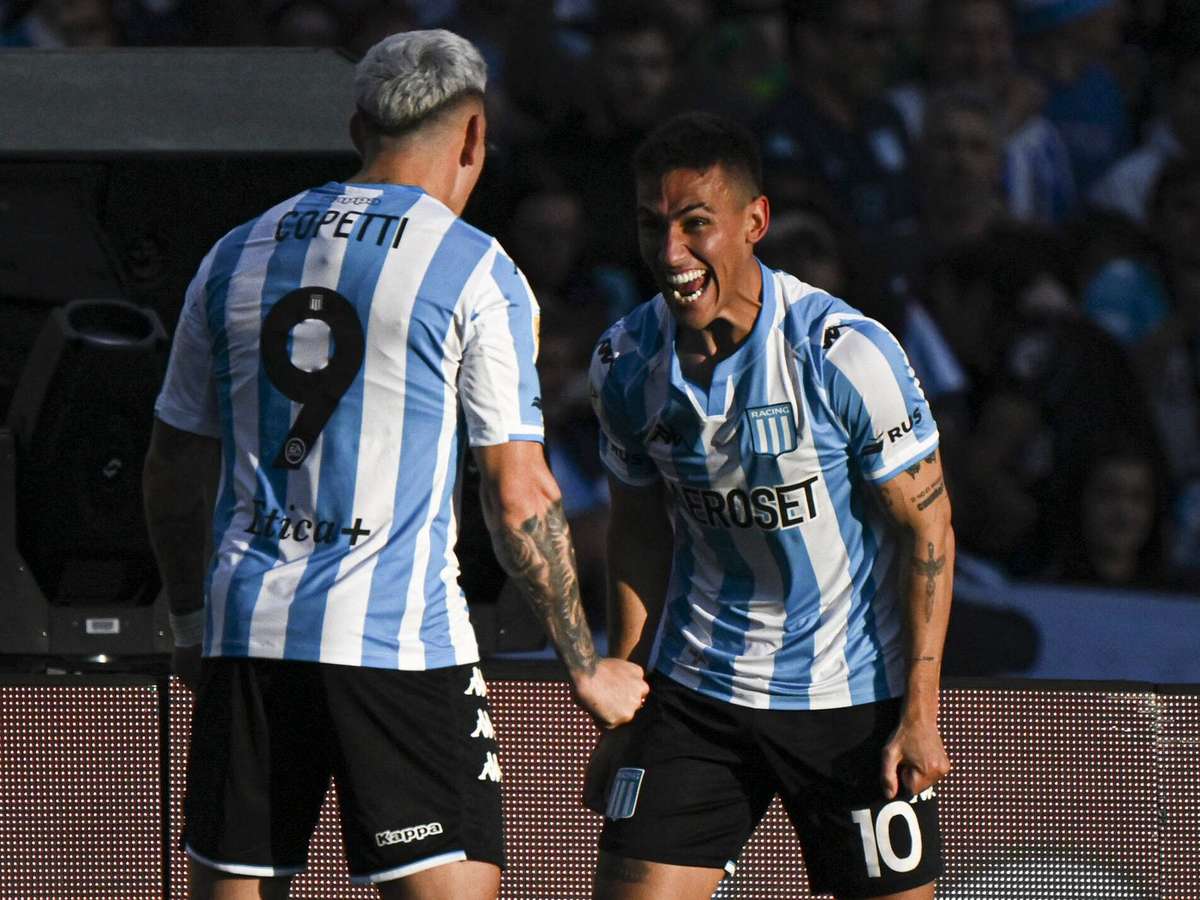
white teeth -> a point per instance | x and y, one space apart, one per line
688 298
685 277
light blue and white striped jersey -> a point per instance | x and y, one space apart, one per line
784 590
345 347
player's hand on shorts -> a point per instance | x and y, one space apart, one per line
613 692
914 759
185 663
601 764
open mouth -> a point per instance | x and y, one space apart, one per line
686 287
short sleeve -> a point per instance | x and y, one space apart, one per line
621 450
876 395
188 399
498 383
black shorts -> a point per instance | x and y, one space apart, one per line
698 774
413 754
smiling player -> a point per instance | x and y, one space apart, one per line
780 555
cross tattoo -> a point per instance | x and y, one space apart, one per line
931 568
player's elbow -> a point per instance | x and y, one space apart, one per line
523 494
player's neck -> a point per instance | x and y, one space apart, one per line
700 349
428 172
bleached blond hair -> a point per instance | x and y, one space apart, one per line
409 77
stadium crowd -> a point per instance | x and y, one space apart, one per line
1011 186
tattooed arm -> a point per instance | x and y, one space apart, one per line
917 504
179 480
523 509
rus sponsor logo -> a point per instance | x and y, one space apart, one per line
895 433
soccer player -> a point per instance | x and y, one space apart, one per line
780 553
334 359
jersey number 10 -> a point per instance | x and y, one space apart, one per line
877 838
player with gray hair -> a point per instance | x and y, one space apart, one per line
407 78
334 359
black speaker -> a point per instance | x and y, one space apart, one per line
81 418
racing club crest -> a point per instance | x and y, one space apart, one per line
772 429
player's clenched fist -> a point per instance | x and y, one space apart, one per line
612 692
914 759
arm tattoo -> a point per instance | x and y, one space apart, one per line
931 568
915 468
539 557
930 494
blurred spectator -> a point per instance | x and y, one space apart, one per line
959 170
733 56
1127 185
833 136
1111 511
958 178
1116 275
591 148
804 243
305 23
1168 358
1070 46
1044 382
970 44
61 23
545 234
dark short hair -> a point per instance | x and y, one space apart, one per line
699 141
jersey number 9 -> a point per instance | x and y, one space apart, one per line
317 392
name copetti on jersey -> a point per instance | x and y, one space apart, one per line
771 508
347 224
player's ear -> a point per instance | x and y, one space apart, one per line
473 141
758 218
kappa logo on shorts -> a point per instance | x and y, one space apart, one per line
407 835
477 686
483 725
491 769
623 796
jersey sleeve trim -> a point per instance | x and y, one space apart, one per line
497 440
920 451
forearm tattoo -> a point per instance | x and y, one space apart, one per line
931 568
930 494
540 558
